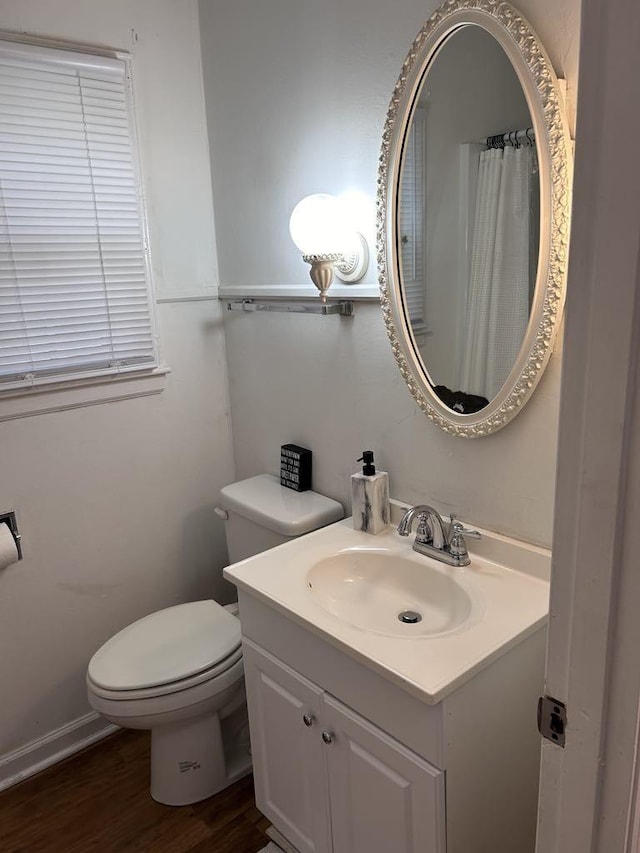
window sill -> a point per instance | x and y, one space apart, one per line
79 393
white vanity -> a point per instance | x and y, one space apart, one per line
387 737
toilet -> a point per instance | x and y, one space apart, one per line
178 672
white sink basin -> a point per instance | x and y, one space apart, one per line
349 587
377 590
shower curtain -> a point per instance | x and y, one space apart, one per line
498 295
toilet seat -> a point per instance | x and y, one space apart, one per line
171 687
167 652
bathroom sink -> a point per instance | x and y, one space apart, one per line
386 593
349 587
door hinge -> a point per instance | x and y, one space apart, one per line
552 719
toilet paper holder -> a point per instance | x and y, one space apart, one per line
9 518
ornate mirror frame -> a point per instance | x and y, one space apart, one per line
541 90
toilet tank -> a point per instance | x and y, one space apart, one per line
263 514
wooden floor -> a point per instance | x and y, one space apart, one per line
99 802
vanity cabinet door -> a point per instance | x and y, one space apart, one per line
383 796
288 758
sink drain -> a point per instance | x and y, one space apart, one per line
410 617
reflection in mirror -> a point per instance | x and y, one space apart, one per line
468 219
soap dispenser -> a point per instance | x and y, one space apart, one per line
370 497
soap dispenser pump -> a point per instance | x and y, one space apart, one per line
370 496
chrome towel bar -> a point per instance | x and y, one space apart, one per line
344 309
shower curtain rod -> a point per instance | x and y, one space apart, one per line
514 137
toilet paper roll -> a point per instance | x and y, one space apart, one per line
8 547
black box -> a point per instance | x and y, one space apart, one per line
295 467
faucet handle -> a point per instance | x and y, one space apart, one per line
457 546
457 534
424 534
458 529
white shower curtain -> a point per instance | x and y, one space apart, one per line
498 291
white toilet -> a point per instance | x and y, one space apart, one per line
178 672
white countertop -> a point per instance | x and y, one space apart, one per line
510 603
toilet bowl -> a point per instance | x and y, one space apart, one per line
178 672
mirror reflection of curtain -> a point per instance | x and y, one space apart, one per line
411 221
498 296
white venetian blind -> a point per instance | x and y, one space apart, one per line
411 216
74 290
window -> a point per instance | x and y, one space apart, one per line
411 216
74 283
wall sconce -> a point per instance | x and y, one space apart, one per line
321 228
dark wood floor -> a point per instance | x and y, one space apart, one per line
99 802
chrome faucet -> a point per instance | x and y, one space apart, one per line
433 539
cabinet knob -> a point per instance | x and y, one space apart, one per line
308 719
327 737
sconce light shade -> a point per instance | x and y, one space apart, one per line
321 230
318 225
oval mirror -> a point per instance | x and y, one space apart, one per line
473 209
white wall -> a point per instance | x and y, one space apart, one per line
297 95
115 501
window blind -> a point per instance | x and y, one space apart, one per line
74 284
410 209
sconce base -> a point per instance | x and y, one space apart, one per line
353 266
321 271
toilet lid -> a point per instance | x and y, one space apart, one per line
166 646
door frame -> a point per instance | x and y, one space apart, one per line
589 788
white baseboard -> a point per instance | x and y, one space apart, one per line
280 841
52 747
